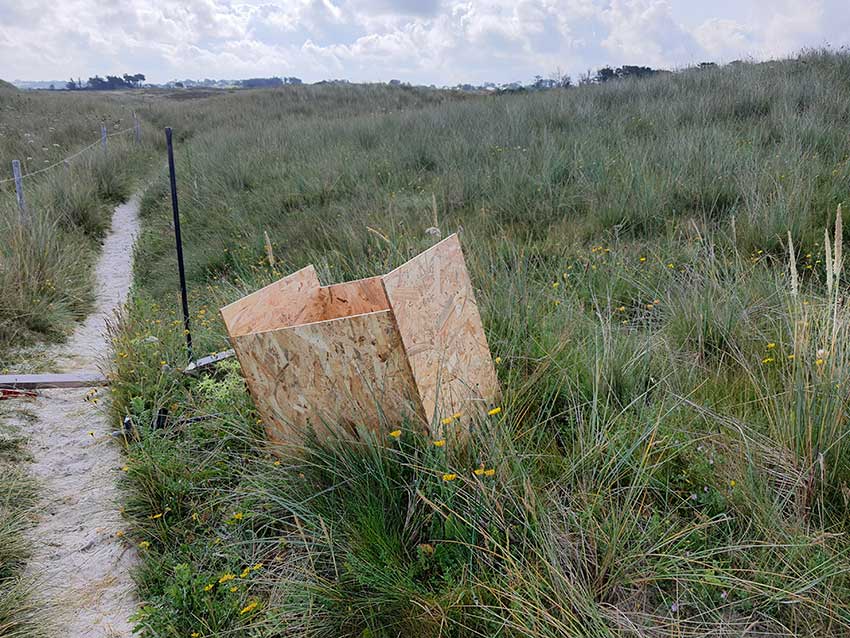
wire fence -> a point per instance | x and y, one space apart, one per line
61 162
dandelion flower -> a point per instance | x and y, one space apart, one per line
226 578
248 608
449 477
238 516
642 259
209 587
144 544
245 572
494 411
258 566
447 420
276 463
819 362
395 434
234 589
733 483
489 472
498 360
479 471
767 360
439 443
771 346
195 634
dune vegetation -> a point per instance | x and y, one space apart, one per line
658 264
659 268
45 266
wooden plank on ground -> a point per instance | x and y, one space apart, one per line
43 381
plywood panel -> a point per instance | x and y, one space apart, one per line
353 298
440 326
330 375
286 302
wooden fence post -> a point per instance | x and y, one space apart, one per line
19 192
103 136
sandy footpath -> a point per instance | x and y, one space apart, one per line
82 569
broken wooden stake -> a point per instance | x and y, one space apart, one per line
206 362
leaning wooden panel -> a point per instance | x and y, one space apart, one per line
434 307
331 375
352 298
286 302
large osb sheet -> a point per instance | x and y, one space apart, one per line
286 302
331 375
438 320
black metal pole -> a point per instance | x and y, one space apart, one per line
180 268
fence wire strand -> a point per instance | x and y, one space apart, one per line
69 158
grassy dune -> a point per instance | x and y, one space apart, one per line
45 268
672 453
19 615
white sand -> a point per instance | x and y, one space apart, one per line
82 569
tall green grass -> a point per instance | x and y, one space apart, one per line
662 464
45 266
19 613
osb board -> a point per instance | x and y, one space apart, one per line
283 303
332 375
351 298
438 320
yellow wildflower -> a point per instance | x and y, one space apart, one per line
257 566
226 578
790 357
642 259
119 534
494 411
155 516
195 634
209 587
771 346
457 415
489 472
447 420
238 516
276 463
439 442
498 360
479 471
234 589
733 483
449 477
248 608
126 468
555 284
144 544
245 572
395 434
767 360
819 362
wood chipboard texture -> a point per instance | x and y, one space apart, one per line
372 352
434 306
331 375
283 303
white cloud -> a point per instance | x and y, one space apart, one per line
439 41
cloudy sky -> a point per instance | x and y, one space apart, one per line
418 41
